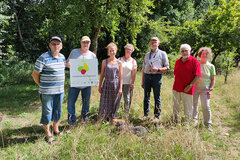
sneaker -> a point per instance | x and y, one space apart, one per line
155 120
195 122
209 127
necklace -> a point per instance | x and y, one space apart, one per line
126 60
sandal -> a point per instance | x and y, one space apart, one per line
57 133
50 140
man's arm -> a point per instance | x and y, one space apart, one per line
142 79
188 87
68 65
36 77
155 69
165 64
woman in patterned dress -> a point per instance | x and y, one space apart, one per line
111 90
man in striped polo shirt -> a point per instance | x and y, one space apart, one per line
49 75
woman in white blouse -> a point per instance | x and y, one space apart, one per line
129 73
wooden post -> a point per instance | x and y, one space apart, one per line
1 117
228 60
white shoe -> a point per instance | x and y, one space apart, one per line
209 126
195 122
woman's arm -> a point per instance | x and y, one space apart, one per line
212 82
120 78
211 86
188 87
133 77
101 76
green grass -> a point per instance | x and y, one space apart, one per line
18 99
23 136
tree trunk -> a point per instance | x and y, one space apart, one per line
215 57
19 31
195 52
96 31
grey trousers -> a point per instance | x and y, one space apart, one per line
205 103
127 96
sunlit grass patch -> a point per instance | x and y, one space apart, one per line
24 136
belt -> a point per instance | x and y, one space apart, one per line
149 74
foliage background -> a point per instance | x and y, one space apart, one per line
27 25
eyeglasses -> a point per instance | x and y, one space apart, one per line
153 42
184 51
56 44
128 49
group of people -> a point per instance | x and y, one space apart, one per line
117 78
193 80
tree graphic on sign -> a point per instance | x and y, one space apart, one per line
83 69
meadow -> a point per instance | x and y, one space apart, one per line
22 137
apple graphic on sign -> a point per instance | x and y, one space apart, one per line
83 69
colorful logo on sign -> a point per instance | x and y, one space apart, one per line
83 69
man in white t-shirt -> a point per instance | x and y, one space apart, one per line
129 73
73 92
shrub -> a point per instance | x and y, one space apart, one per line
13 71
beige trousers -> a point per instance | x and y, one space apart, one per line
187 101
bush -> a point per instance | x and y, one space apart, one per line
13 71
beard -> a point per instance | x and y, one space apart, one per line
185 57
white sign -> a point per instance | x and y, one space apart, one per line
83 72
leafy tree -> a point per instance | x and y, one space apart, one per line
20 30
218 29
175 11
120 20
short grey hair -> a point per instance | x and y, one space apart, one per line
129 46
185 46
209 51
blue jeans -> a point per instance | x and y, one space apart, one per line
72 98
152 81
51 107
